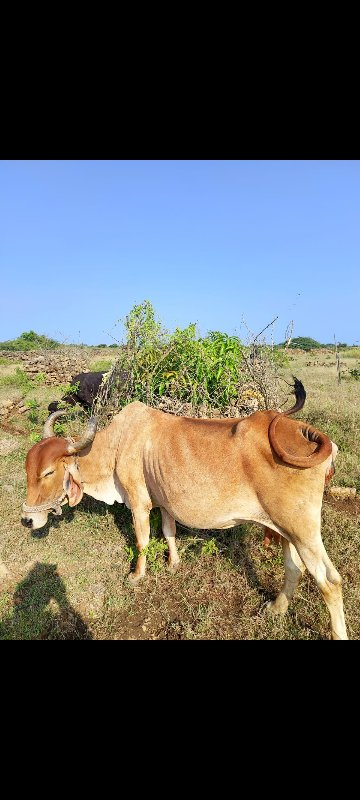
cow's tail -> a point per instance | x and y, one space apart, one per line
300 397
285 440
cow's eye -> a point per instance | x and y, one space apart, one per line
51 472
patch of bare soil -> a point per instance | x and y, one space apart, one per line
9 427
137 626
4 573
348 505
8 444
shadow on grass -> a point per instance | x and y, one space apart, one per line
235 544
121 514
54 523
42 610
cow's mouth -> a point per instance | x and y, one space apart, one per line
36 519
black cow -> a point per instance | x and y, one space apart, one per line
88 383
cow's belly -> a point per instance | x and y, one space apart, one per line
217 519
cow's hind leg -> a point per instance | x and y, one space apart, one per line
294 568
317 561
169 531
141 519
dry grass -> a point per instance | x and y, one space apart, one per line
70 582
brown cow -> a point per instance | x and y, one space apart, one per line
205 473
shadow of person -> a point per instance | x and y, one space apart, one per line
42 610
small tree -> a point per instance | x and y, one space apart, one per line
302 343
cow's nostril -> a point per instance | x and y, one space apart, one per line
26 522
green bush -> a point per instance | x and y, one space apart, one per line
69 388
29 340
33 415
209 371
355 374
18 380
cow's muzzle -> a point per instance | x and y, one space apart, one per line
35 517
27 522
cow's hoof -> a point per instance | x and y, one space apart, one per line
133 579
274 608
173 566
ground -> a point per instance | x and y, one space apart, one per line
69 581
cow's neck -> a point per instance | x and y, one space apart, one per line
97 470
97 461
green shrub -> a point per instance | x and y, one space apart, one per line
18 380
210 548
281 358
210 372
34 407
39 379
355 374
29 341
69 388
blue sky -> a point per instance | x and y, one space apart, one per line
212 242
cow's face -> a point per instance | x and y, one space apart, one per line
53 473
52 476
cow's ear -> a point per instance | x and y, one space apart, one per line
72 485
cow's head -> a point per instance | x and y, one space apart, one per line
53 474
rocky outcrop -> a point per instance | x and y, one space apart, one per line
15 403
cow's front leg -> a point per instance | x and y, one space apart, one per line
141 518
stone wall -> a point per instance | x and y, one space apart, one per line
58 366
12 355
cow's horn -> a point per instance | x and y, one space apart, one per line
86 439
49 424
